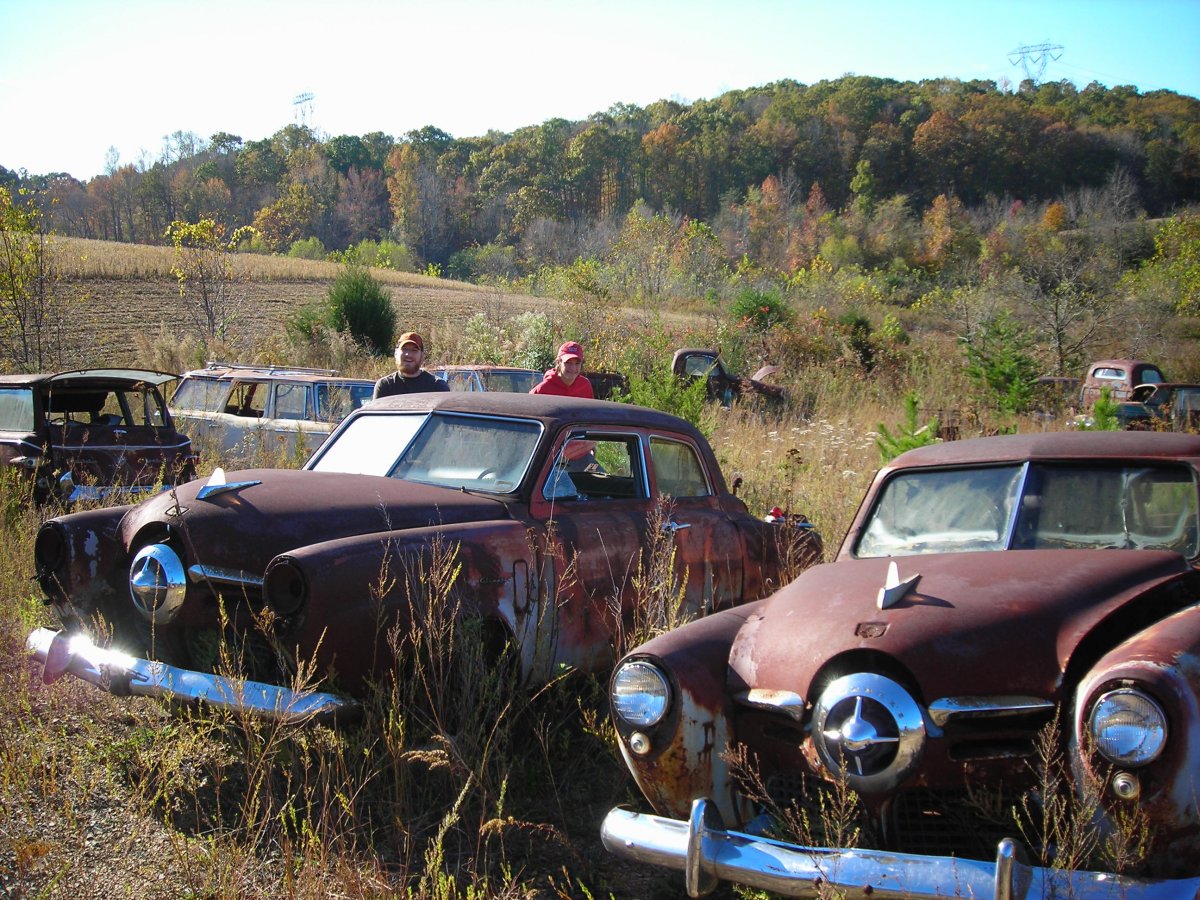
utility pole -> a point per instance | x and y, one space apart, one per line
1035 56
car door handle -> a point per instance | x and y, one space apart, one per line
119 432
672 526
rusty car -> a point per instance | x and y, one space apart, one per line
1167 406
691 363
1119 377
550 503
87 433
237 410
999 605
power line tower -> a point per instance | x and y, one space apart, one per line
1033 57
303 106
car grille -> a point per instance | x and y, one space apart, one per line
922 822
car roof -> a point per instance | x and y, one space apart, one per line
483 368
150 375
1123 364
1054 445
230 371
551 409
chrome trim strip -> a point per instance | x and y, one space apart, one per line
121 674
949 709
789 703
199 574
706 852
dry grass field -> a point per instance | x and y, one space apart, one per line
121 291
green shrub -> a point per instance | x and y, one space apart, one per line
759 310
307 248
358 304
663 390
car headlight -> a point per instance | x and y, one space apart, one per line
1128 728
640 694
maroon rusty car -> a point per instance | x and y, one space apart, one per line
991 595
548 501
86 433
1119 376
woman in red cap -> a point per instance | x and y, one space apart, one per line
564 379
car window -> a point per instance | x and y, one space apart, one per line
336 401
1108 373
204 394
942 511
513 382
677 470
1149 375
291 401
132 407
461 381
699 365
248 398
481 452
1124 507
16 409
595 466
1064 506
368 445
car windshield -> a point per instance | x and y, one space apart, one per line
205 394
1041 506
479 452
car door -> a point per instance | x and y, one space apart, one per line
709 552
591 502
293 421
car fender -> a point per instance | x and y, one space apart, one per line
1164 661
358 589
686 759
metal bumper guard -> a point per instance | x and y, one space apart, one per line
124 675
707 854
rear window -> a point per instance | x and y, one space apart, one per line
16 409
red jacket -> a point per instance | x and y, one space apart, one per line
552 383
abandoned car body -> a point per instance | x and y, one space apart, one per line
550 502
84 434
241 409
991 597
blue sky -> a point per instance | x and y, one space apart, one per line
80 76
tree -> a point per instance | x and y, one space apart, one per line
359 305
999 364
32 309
205 273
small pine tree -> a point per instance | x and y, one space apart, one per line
908 435
358 304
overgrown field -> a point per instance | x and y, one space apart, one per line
107 797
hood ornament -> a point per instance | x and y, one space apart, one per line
218 485
894 590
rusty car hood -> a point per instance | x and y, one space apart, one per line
265 512
975 623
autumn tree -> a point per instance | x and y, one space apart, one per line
204 270
33 310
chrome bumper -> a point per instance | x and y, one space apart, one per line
124 675
707 854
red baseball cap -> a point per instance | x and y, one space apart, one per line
411 337
570 350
